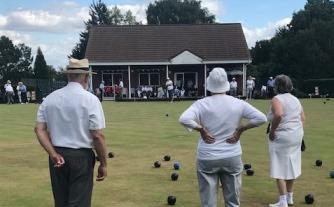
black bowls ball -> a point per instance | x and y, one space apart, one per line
174 176
250 172
166 114
171 200
166 157
309 199
111 155
318 163
247 166
157 164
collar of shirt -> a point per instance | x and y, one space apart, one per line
75 85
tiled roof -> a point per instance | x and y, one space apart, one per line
160 43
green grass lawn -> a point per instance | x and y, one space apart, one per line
141 133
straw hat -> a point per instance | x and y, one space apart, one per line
78 67
217 81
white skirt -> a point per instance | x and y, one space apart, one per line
285 155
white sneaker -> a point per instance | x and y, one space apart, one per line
290 201
278 204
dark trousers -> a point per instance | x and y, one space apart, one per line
72 184
24 97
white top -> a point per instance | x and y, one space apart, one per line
9 88
121 85
70 113
220 115
169 85
233 84
292 109
250 83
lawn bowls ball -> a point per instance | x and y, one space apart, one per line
247 166
309 199
157 164
174 176
111 155
318 163
250 172
171 200
166 157
177 166
331 174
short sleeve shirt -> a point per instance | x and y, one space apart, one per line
70 113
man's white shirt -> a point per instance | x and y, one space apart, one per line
70 113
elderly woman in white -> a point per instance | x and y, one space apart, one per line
217 118
285 138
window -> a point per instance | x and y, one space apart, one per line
144 79
149 79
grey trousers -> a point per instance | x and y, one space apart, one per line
72 184
228 171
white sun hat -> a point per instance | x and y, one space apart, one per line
217 81
78 66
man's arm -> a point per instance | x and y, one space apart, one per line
44 139
101 150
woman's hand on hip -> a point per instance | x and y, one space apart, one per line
235 137
206 136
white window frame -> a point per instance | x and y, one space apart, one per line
149 79
196 77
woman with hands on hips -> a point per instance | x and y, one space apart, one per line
217 118
285 137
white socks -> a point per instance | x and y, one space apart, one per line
281 203
289 198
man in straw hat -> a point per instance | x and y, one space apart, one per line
69 124
217 119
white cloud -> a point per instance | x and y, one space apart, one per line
256 34
16 37
213 6
138 10
3 21
61 19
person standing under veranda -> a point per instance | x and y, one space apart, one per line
217 118
249 87
121 86
9 92
69 124
101 87
234 87
285 138
270 87
170 89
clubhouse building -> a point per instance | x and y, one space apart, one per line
146 55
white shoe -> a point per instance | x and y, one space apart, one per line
278 204
290 200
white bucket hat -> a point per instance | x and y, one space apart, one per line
217 81
78 66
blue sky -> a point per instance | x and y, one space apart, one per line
54 25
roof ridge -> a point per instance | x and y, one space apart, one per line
167 25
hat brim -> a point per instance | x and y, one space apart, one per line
78 71
217 89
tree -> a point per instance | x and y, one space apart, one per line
15 60
178 12
304 49
100 15
41 69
